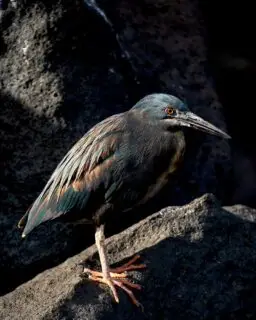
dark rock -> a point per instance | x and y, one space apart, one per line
200 265
63 68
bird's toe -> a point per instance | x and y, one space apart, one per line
129 266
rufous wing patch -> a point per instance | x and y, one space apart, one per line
92 177
98 172
78 185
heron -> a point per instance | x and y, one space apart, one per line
120 163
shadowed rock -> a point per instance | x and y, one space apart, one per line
200 265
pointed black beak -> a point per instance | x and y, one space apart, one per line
189 119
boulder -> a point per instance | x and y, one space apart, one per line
200 265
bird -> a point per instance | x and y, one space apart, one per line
119 164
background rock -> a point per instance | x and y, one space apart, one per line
65 65
200 265
232 61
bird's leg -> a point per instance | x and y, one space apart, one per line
113 277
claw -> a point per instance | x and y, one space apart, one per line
117 277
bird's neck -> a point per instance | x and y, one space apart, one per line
157 132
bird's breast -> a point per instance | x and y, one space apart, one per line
174 163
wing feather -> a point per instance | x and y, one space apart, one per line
78 173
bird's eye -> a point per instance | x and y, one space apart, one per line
169 111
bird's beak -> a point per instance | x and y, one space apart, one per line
189 119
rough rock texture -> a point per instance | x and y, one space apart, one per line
64 66
200 265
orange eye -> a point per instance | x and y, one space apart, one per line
169 110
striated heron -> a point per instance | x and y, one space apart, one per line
120 163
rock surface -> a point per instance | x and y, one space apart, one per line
200 265
65 65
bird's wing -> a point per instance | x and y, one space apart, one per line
78 174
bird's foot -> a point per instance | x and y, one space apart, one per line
117 277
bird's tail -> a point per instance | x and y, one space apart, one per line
44 209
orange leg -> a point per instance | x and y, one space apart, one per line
114 277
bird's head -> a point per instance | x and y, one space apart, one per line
173 112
